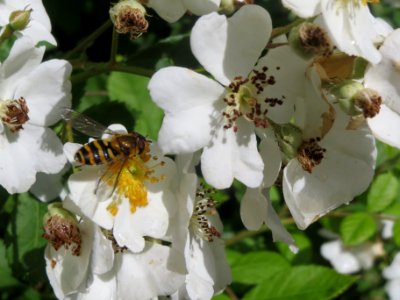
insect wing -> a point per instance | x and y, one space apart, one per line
84 124
108 181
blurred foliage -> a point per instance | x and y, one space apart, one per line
261 268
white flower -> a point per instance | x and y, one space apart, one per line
104 270
39 27
220 116
31 95
195 235
332 166
392 274
351 259
387 230
384 78
350 24
137 203
173 10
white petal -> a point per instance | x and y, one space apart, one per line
102 259
203 7
171 10
253 209
393 289
47 91
152 220
101 287
271 155
48 186
343 262
393 271
303 9
236 42
385 125
148 274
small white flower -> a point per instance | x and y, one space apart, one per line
140 202
39 27
221 116
384 78
330 168
350 24
392 274
173 10
195 234
31 95
351 259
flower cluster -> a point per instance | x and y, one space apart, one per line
301 110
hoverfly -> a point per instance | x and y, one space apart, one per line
112 152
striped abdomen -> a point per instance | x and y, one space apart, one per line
96 152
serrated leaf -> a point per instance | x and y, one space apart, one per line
254 267
396 232
132 90
383 192
25 245
303 282
357 228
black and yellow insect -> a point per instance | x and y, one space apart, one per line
112 151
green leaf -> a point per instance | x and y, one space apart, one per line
383 192
357 228
304 255
254 267
6 278
25 245
396 232
132 90
221 297
303 282
393 210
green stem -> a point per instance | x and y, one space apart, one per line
285 29
114 46
87 42
94 69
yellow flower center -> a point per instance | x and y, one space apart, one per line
131 182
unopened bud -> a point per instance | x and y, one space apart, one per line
309 40
129 16
19 19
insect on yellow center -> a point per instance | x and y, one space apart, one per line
135 174
14 113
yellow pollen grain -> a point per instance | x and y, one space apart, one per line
113 208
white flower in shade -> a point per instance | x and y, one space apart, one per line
31 94
384 78
350 24
387 229
39 27
256 208
195 234
392 274
173 10
134 199
101 269
332 165
220 116
351 259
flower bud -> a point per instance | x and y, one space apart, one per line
289 138
354 99
129 16
309 40
19 19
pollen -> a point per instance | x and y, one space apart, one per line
133 177
310 154
14 113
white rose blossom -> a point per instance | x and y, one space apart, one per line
101 269
142 202
39 27
173 10
392 274
348 260
352 27
196 234
220 116
330 168
31 95
384 78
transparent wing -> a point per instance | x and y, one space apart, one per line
84 124
107 183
